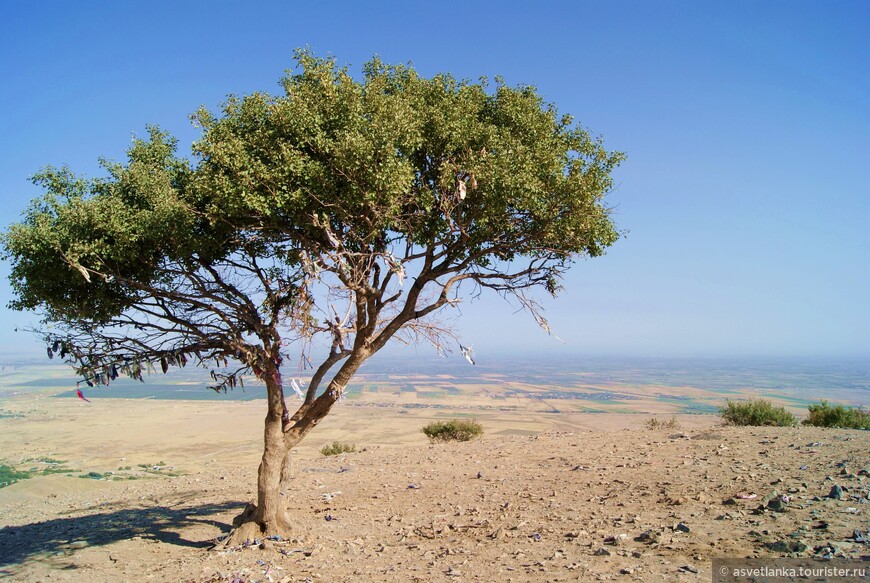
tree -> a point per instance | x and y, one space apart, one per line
347 209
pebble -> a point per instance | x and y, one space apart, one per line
836 492
648 536
778 504
616 540
782 546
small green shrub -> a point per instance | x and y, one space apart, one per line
338 448
93 476
453 430
755 412
655 423
9 475
826 415
44 460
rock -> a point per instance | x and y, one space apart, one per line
648 536
616 540
79 544
836 492
688 569
602 552
778 504
782 546
682 527
626 571
770 496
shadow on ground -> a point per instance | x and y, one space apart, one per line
64 535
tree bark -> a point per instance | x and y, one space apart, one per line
269 516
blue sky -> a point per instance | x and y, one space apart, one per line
746 124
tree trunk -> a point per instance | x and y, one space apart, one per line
269 516
286 470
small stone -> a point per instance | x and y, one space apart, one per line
688 569
602 552
648 536
79 544
770 496
626 571
782 546
778 504
616 540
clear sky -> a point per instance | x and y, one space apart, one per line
746 193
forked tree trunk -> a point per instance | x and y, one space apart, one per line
268 517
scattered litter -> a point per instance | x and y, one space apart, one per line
294 384
467 352
329 518
288 552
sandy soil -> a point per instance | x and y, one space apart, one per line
557 503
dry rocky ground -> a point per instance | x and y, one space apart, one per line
630 505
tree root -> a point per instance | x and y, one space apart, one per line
249 526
